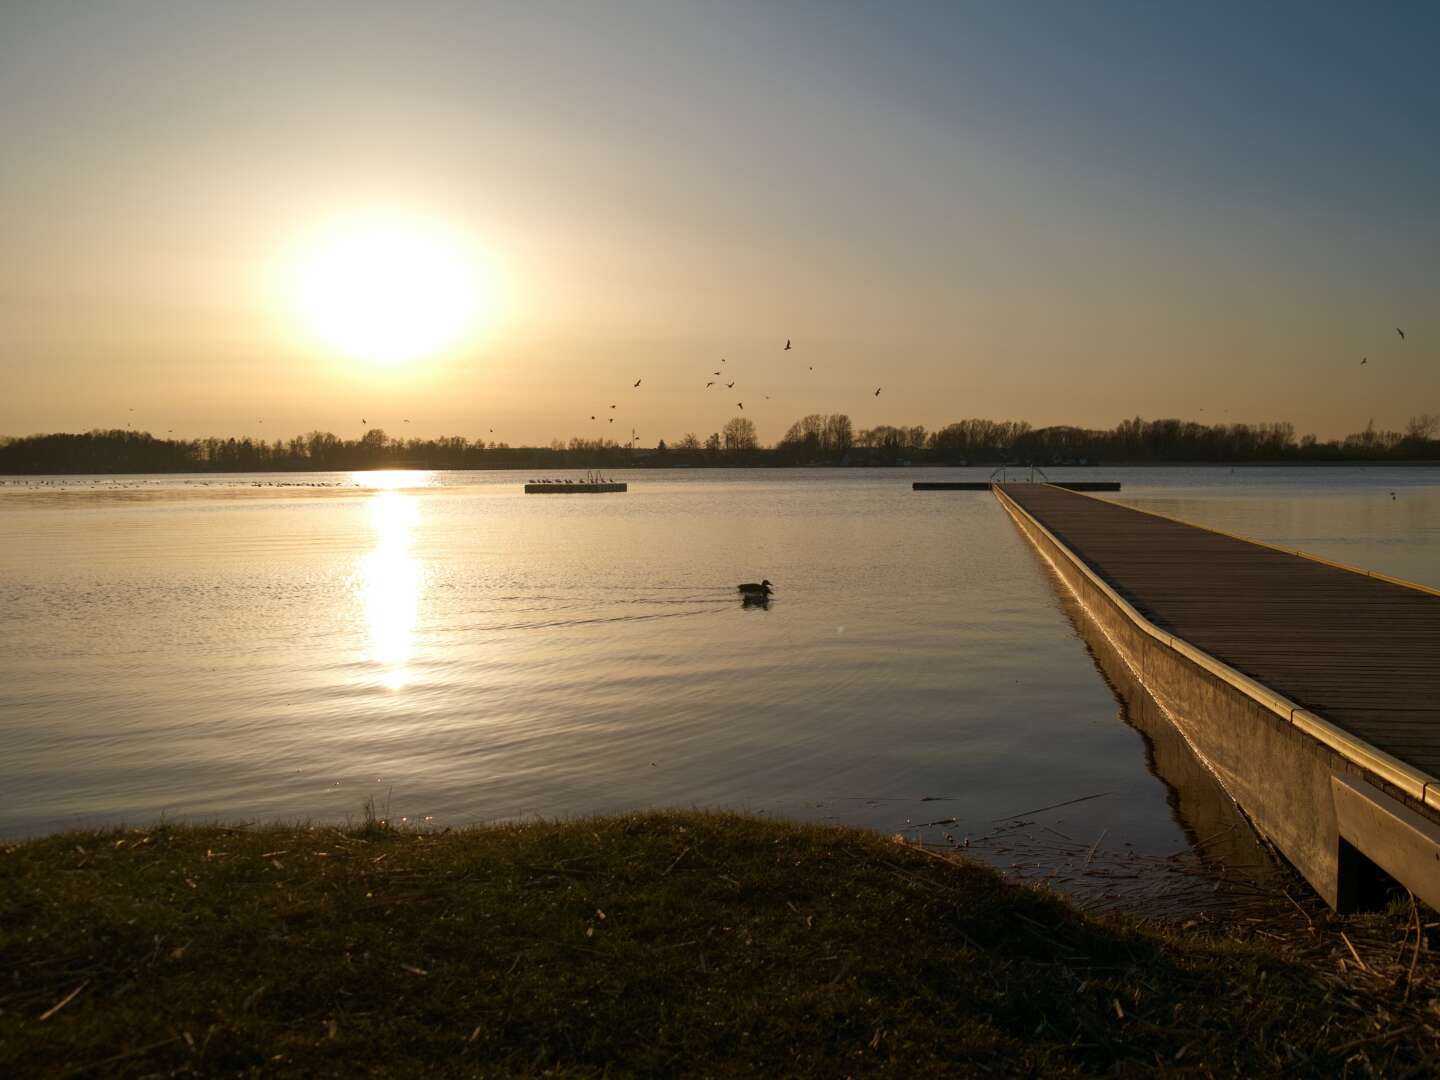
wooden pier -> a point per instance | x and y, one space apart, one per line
579 487
1310 689
986 485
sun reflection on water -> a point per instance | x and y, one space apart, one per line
393 479
391 581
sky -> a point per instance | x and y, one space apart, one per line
1068 212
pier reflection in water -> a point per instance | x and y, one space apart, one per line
1226 866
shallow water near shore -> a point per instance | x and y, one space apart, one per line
287 646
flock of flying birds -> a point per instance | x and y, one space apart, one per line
1365 360
731 385
718 377
364 422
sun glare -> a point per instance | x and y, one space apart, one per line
390 290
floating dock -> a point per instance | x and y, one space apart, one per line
1309 689
985 485
578 488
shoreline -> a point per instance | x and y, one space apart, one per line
655 943
649 464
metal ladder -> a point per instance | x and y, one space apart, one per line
1034 469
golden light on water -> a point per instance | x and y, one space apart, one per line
390 289
393 479
391 584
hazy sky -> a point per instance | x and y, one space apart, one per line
1070 212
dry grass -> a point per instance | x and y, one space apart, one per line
652 944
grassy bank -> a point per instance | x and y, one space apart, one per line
651 944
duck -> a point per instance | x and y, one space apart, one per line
751 588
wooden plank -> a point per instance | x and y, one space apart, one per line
985 485
1359 651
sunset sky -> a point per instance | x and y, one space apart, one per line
1069 212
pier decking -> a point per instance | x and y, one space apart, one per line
986 485
1311 690
579 487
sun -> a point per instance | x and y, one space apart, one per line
390 289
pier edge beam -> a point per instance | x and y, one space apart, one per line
1379 831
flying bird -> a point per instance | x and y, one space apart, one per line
722 360
1365 361
1400 332
741 404
405 421
592 418
714 373
364 421
637 382
787 344
709 384
729 386
612 406
812 367
877 391
612 419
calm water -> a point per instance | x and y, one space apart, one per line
259 648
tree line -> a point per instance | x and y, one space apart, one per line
816 439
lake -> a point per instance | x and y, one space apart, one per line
289 646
